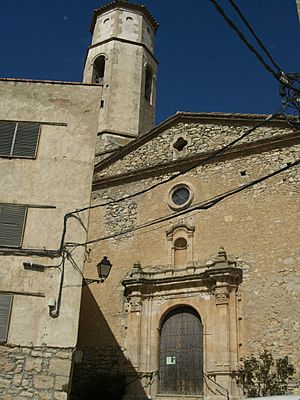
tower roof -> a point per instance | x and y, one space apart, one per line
123 3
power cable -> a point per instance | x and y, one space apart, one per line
291 100
259 41
199 206
280 75
54 313
243 38
155 185
186 170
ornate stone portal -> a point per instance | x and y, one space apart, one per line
210 289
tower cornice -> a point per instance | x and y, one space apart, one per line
117 39
124 4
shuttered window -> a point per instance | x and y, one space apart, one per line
18 139
5 308
12 220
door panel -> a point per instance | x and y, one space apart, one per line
181 353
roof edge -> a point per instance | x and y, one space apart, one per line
48 81
185 117
125 4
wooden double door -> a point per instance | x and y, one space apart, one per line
181 353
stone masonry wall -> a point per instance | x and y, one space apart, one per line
121 216
39 373
257 227
100 371
200 139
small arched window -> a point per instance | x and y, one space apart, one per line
180 252
148 83
99 69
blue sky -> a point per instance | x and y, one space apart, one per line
203 64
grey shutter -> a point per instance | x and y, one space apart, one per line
7 130
26 140
5 307
12 218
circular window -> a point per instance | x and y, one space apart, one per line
180 196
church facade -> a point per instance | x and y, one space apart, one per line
198 216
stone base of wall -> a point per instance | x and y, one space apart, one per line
100 374
39 373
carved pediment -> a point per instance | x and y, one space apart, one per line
219 271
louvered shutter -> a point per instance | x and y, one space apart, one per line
5 307
26 140
12 219
7 130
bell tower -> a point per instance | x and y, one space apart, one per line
121 59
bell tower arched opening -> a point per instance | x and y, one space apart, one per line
181 353
121 59
148 83
98 69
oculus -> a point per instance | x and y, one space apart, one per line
180 196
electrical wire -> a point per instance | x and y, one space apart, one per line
279 75
75 266
259 41
54 313
199 206
243 38
186 170
63 246
124 198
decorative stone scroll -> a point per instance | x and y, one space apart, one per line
222 295
136 304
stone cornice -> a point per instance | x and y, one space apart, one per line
218 272
198 159
49 82
122 40
185 117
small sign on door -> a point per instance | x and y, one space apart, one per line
171 360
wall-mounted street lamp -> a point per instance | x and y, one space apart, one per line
103 269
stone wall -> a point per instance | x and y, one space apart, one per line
200 138
101 370
34 373
256 226
56 182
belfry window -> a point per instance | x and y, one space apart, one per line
148 84
99 69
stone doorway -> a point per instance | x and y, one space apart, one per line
181 353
